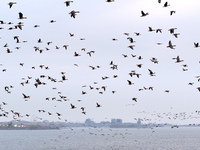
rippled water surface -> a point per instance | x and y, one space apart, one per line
101 139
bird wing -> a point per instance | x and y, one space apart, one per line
129 82
142 13
170 43
196 44
198 89
20 15
178 58
150 71
24 95
10 4
150 29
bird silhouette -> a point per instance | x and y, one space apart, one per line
98 105
68 3
76 54
82 108
172 30
196 45
11 4
158 30
176 35
129 82
52 21
151 73
72 106
170 45
21 16
25 96
134 99
65 46
178 60
137 33
166 4
150 29
16 38
172 12
144 14
73 13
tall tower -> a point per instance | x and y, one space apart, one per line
139 122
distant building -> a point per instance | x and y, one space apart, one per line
89 121
45 121
105 122
116 121
139 122
10 124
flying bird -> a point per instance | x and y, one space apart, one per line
130 39
36 26
167 91
21 16
133 55
190 83
16 38
82 108
134 99
73 13
166 4
76 54
172 30
144 14
127 34
129 82
11 4
98 105
150 29
170 45
178 60
72 106
137 33
158 30
131 47
196 45
65 46
52 21
25 96
68 3
172 12
176 35
71 34
39 41
139 65
151 73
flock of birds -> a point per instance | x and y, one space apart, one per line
46 79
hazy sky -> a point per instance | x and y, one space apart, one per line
98 23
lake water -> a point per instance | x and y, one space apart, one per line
102 139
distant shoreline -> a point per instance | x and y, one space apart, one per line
28 128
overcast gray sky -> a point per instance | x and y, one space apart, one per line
100 22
